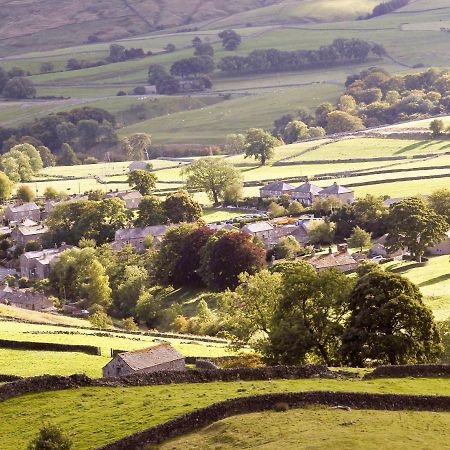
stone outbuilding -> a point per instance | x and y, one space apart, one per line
160 358
138 165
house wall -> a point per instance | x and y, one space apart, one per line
442 248
22 215
344 198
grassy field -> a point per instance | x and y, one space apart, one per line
324 428
29 363
35 316
434 282
95 416
211 124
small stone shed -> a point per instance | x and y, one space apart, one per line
162 357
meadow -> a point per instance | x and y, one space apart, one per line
433 280
324 428
96 416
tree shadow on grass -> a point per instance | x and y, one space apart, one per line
414 146
435 280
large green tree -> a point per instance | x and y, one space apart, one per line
151 211
19 87
389 323
6 186
99 220
310 317
249 310
182 207
260 144
211 175
142 181
439 201
226 256
359 238
414 225
137 146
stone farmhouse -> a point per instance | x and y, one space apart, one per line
340 192
28 232
25 299
340 260
38 264
276 189
136 237
162 357
307 192
131 198
21 212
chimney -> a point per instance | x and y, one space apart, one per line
330 251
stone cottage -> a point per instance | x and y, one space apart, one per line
162 357
21 212
25 299
276 189
131 198
136 237
38 264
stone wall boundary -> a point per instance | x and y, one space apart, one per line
203 417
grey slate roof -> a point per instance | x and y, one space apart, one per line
278 186
335 189
138 233
258 227
150 357
308 188
31 206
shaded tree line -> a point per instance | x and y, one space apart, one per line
79 129
273 60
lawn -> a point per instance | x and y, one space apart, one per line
95 416
211 215
434 282
27 363
35 316
324 428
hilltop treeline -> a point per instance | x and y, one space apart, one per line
273 60
373 98
387 7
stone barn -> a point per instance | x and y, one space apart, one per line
162 357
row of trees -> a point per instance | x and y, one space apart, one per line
373 98
273 60
81 128
293 314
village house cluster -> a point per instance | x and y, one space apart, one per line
307 192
